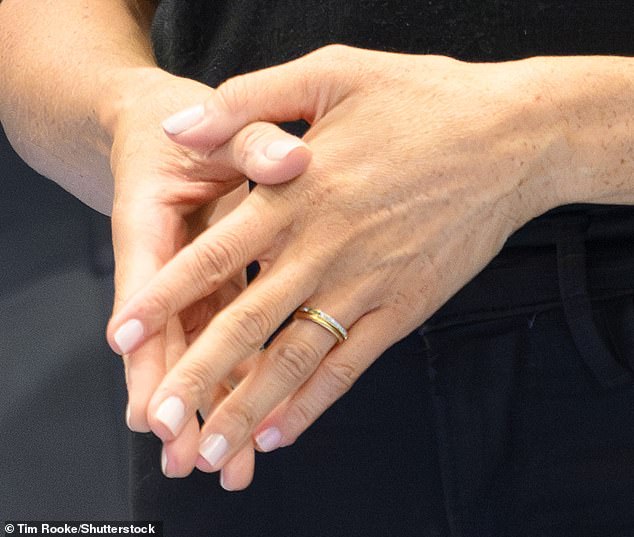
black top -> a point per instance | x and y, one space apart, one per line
211 40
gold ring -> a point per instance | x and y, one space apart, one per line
323 319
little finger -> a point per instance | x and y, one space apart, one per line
336 374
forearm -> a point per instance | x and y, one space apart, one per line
66 67
591 102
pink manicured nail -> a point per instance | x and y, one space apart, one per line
127 416
128 335
171 413
183 120
223 482
164 462
214 448
279 149
269 439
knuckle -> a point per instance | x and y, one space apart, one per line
339 375
248 143
243 415
253 134
250 327
208 259
198 379
233 94
295 360
333 51
210 262
161 302
301 415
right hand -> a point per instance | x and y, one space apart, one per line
164 196
379 246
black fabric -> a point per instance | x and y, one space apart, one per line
509 412
531 445
213 40
533 402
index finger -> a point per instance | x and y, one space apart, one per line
197 271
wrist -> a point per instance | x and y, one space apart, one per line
123 91
528 138
589 104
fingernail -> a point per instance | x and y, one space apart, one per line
127 416
279 149
128 335
171 413
164 462
269 439
184 119
223 483
214 448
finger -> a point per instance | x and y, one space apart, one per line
195 317
261 151
230 427
336 374
144 372
237 474
178 457
284 367
140 248
301 89
226 387
196 271
236 333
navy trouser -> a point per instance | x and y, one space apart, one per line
509 413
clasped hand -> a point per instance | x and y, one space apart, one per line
422 167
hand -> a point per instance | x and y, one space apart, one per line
164 196
422 167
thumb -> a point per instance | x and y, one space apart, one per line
306 89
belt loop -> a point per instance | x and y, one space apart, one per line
571 267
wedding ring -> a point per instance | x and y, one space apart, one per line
323 319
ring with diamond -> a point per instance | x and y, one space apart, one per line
324 320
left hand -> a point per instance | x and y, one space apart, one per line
164 196
422 167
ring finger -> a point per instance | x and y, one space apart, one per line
282 369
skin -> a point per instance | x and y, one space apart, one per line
82 101
422 168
